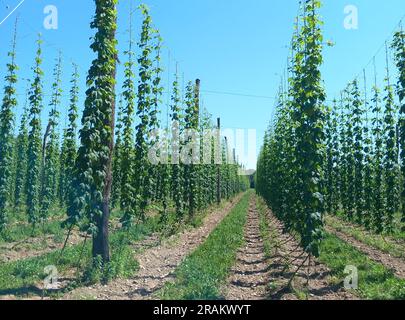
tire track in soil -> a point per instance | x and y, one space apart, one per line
286 258
157 264
249 276
397 265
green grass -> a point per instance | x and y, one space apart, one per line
201 274
375 280
397 235
19 229
22 232
373 240
21 277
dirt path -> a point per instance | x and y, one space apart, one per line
397 265
157 264
311 282
249 277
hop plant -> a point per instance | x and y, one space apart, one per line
34 140
8 105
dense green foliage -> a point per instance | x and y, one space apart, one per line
126 147
177 176
86 171
369 156
34 141
69 145
344 157
8 105
21 158
93 177
289 174
360 174
398 46
144 112
50 148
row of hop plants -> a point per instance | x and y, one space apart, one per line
345 159
103 164
290 165
365 138
33 167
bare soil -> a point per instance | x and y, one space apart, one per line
312 279
157 264
397 265
249 276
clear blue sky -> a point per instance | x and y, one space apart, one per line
234 46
